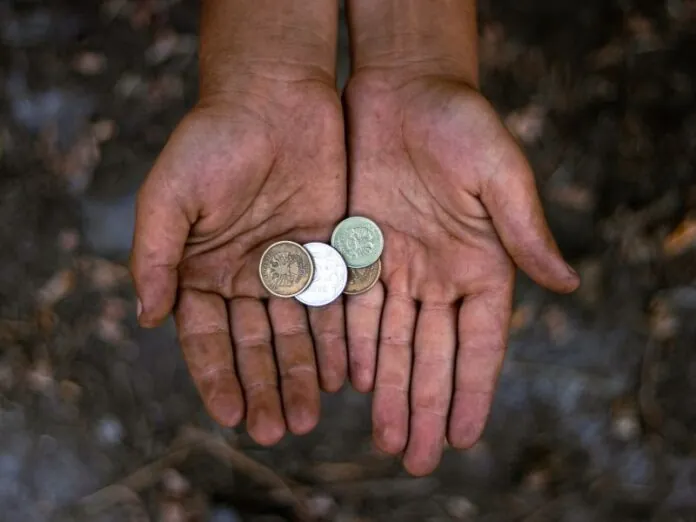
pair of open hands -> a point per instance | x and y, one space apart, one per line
430 162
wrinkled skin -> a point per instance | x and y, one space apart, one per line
234 177
430 161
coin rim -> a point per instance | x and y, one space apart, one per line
372 285
379 231
311 266
297 297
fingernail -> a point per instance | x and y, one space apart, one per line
571 270
139 309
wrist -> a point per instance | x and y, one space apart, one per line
410 39
251 44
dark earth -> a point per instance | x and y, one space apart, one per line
595 414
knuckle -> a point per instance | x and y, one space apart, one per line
434 404
260 387
252 342
297 371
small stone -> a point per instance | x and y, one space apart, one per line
68 240
90 63
320 505
625 423
70 391
460 508
557 323
109 431
172 512
175 484
78 165
527 124
130 85
664 323
40 377
104 130
164 46
230 515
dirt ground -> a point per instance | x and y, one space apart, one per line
595 413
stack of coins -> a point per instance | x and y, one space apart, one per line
316 274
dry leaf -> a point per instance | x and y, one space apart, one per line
56 288
104 274
572 196
521 317
682 238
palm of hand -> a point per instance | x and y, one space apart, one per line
435 168
232 180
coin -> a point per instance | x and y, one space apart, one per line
286 269
359 240
330 276
360 280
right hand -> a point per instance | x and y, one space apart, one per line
240 172
433 164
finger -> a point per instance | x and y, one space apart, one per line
363 313
161 229
483 330
390 402
251 334
296 365
329 333
431 387
204 333
511 198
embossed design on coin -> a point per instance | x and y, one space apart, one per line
359 240
360 280
330 276
286 269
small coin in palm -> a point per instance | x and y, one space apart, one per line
359 240
286 269
330 276
360 280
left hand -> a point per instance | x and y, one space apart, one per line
431 163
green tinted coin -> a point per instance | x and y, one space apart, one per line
359 240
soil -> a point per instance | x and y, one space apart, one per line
595 412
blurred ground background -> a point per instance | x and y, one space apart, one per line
595 413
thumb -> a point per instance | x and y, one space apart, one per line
161 230
511 198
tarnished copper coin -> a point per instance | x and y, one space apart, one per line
286 269
360 280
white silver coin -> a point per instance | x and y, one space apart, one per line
330 276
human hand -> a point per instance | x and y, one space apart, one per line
431 163
239 173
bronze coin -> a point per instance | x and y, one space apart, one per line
360 280
286 269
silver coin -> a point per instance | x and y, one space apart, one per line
330 276
359 240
